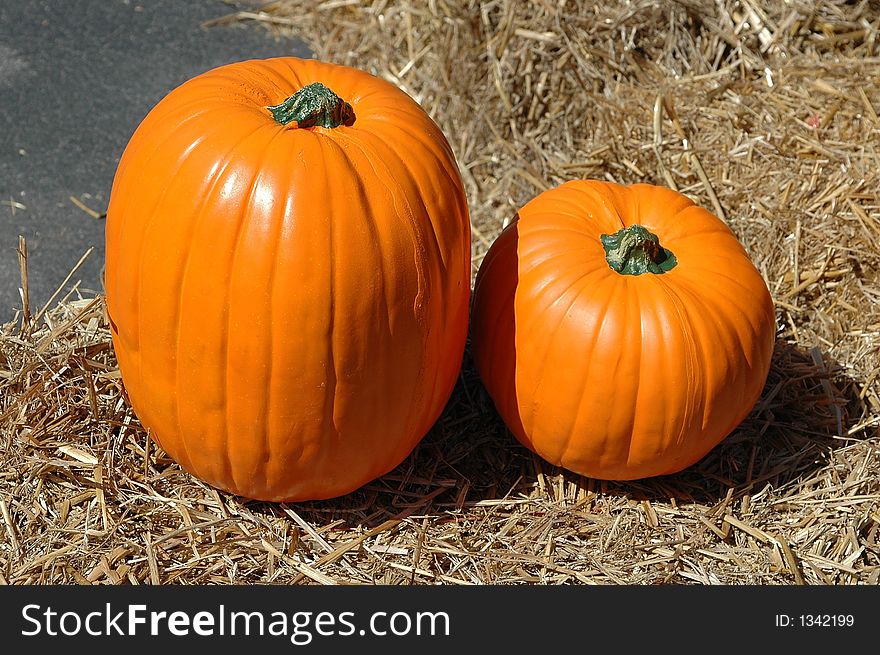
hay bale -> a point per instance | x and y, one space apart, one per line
765 115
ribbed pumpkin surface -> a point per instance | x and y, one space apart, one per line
289 305
620 376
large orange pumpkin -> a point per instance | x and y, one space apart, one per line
622 331
287 276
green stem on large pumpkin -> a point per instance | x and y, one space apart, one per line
313 105
634 250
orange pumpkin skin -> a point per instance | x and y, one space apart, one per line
288 303
614 376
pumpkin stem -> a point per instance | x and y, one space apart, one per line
633 250
313 105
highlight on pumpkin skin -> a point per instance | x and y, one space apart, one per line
605 371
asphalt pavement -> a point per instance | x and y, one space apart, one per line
76 78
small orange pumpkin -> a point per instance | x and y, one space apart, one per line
622 331
287 276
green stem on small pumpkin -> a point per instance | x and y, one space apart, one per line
634 250
313 105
